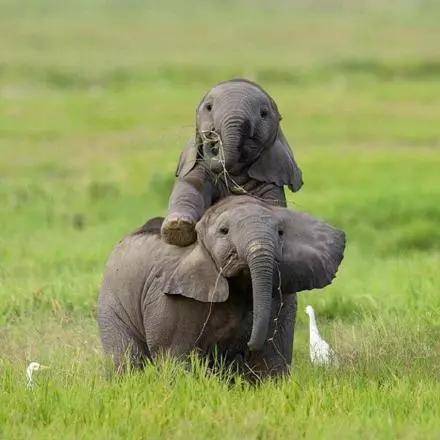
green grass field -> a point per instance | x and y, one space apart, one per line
96 101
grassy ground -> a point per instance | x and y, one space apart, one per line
96 100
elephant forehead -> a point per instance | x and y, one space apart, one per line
250 217
246 213
237 206
237 89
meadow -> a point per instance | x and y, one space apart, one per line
96 101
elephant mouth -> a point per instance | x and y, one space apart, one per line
213 151
234 265
215 163
211 141
216 158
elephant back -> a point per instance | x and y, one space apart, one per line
137 261
151 227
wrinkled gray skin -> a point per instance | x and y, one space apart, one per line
238 148
233 291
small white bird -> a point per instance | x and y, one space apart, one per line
320 352
33 366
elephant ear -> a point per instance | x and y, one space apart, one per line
197 277
277 165
188 158
312 251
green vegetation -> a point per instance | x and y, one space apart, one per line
97 100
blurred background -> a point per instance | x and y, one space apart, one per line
97 99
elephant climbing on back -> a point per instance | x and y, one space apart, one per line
238 148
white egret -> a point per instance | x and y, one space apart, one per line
33 366
320 351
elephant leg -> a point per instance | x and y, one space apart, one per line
120 342
272 194
188 201
173 326
276 357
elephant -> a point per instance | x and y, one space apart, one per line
238 148
232 292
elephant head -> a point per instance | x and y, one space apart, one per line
238 130
243 234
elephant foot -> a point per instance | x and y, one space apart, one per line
178 230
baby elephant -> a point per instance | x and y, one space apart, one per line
238 148
232 292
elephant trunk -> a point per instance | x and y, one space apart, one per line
260 259
235 129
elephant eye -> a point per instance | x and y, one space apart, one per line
208 107
263 113
280 232
224 230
